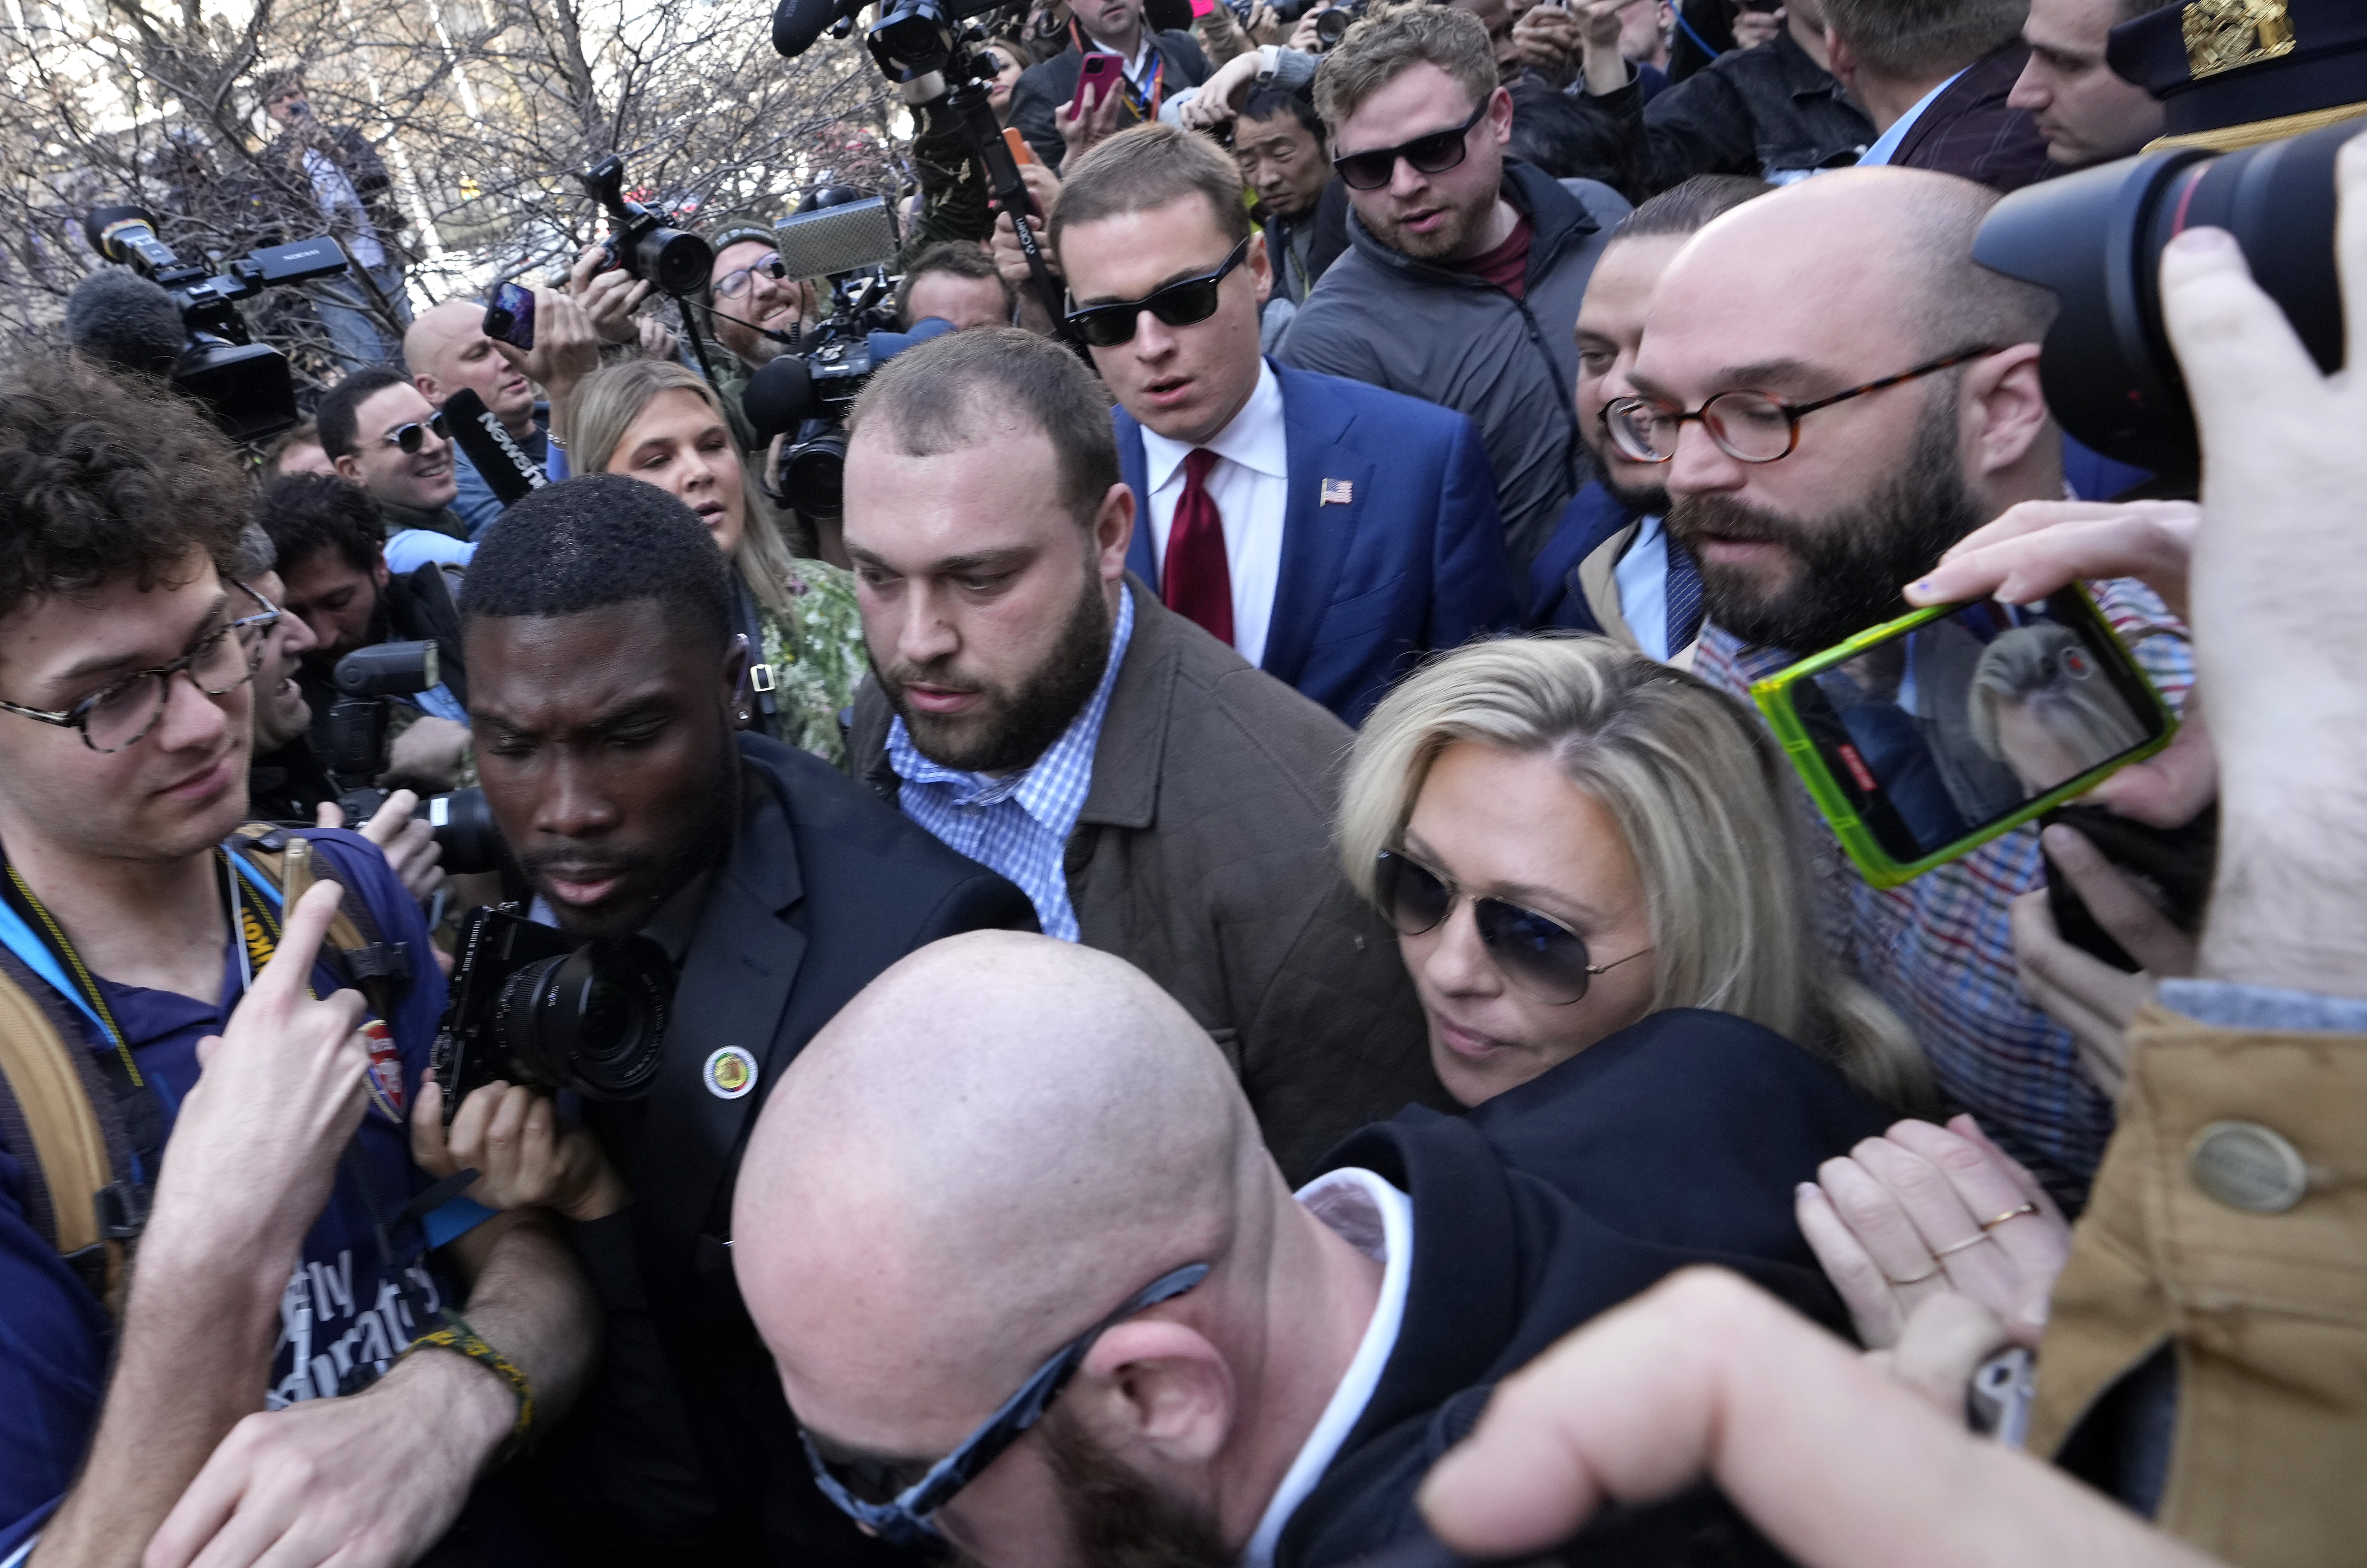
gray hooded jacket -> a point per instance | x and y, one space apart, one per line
1379 315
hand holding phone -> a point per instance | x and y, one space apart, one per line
510 317
1096 78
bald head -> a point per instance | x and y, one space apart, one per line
446 349
1887 248
992 1147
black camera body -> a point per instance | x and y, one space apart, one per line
464 822
364 678
645 244
2095 239
531 1006
246 384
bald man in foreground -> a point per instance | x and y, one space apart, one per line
1859 286
1011 1159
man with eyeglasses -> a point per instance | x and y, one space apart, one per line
1331 533
1035 1291
250 1113
1035 706
385 438
753 307
1836 394
1465 268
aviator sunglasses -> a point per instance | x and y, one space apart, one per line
1432 154
1181 304
1536 952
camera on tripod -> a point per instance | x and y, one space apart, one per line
246 384
368 680
531 1006
645 244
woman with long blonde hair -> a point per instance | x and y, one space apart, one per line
1569 836
655 421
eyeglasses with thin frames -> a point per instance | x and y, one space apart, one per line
903 1514
1432 154
738 281
127 708
1749 426
1183 303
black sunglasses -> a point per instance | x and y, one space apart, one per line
1536 952
1432 154
412 437
1183 304
886 1498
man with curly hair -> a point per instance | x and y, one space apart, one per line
252 1110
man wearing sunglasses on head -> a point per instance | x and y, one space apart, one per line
1331 532
1465 268
383 435
190 1072
1130 1342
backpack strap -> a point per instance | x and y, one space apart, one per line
379 968
65 1129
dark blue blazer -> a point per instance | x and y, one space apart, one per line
1554 598
1414 561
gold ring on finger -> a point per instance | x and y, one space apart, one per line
1917 1278
1973 1240
2013 1213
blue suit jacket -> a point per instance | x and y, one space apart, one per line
1413 562
1593 517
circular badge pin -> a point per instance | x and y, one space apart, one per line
731 1073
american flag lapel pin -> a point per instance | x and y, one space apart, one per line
1338 492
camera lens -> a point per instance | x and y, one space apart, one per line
592 1021
677 263
813 473
465 831
1332 25
2095 240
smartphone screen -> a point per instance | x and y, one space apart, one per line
511 315
1099 74
1939 732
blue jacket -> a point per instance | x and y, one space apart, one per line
1413 562
1593 518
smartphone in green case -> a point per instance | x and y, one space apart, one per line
1928 736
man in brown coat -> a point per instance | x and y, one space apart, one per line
1040 711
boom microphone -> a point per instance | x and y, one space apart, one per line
797 23
778 397
119 317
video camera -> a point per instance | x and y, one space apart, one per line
530 1006
645 244
805 394
244 383
2095 240
366 679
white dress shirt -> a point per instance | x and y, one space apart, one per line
1377 1221
1250 485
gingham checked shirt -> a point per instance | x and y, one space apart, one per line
1020 825
1940 949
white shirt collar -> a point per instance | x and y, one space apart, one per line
1255 438
1141 63
1377 1221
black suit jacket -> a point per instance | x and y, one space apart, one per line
688 1438
1970 130
1043 88
1675 1142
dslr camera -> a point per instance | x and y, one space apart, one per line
1330 26
645 242
244 383
366 680
530 1006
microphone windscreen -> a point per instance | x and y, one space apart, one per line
778 397
500 461
122 319
796 23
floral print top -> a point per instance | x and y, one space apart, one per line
815 659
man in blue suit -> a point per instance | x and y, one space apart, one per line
1330 532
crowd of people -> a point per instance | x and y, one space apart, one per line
1223 957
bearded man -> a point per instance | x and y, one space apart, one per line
1037 708
1837 393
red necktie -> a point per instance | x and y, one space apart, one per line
1195 582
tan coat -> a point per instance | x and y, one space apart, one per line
1203 857
2268 1311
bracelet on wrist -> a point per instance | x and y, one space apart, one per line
462 1340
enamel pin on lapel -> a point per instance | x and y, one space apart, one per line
731 1073
1337 492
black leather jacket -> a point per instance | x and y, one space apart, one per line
1768 111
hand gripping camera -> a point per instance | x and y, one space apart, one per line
644 244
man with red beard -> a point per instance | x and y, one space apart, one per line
1857 292
1038 709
